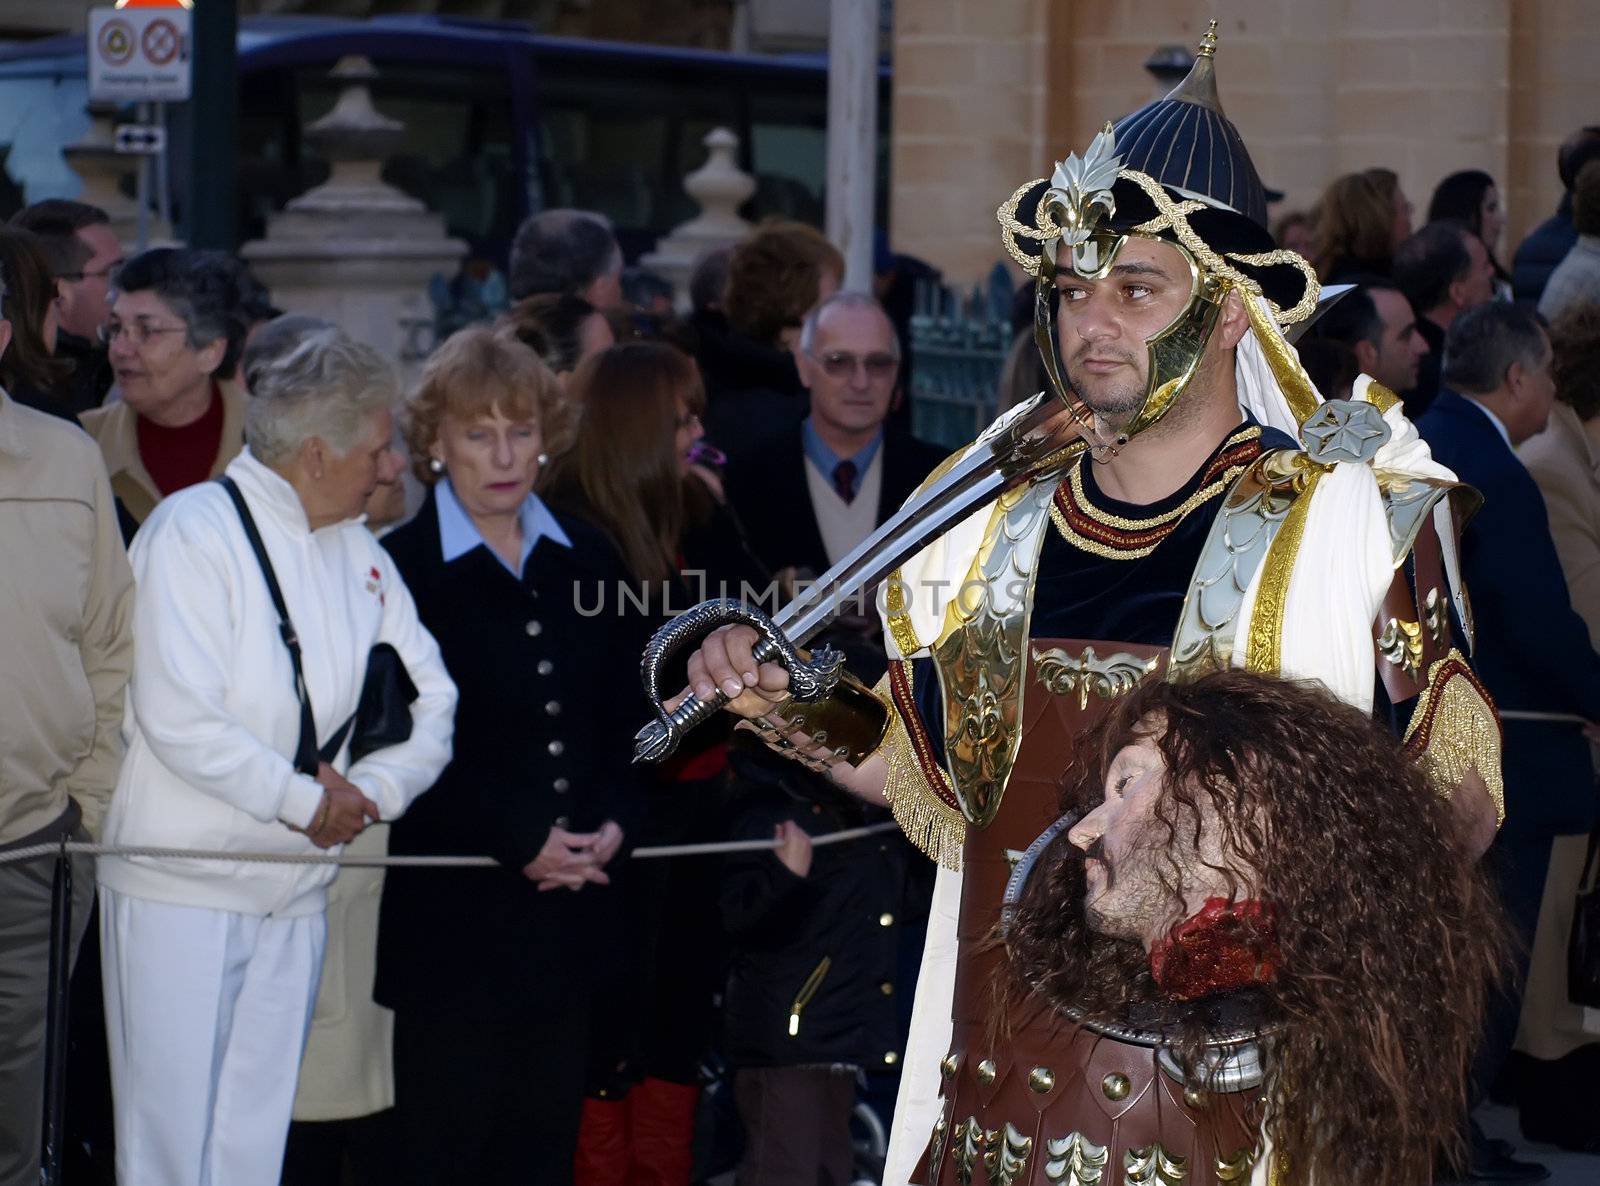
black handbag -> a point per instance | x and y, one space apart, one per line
383 712
1583 941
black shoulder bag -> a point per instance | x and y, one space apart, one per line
383 713
1583 941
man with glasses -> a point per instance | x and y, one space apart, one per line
806 498
84 256
839 464
175 326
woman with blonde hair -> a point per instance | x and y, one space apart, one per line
1361 219
490 972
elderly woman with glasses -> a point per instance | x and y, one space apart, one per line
211 965
176 327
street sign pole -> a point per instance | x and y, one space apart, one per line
210 210
144 186
143 53
163 172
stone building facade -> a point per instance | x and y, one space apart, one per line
989 93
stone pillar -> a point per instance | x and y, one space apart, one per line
852 135
969 124
95 159
356 250
720 188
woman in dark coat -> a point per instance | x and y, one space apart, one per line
490 971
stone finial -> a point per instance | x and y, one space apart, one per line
355 249
355 138
355 130
719 187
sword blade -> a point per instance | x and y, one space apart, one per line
1036 442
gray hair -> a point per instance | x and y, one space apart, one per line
328 387
562 251
846 300
202 289
1484 342
275 339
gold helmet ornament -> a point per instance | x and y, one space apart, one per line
1175 171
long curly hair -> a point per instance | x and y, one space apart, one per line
1387 935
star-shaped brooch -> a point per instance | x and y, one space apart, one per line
1344 430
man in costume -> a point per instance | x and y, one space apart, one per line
1239 521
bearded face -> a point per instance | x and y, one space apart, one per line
1151 858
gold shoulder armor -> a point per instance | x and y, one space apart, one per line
1253 515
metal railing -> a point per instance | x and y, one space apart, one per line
959 340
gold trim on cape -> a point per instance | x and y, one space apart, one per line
1264 651
935 826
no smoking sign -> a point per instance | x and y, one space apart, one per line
139 55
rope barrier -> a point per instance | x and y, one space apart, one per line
1555 718
654 852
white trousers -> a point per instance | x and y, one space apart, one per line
917 1107
206 1016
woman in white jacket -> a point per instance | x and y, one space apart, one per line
211 966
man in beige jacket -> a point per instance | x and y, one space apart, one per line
66 649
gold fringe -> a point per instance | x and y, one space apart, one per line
1461 731
932 825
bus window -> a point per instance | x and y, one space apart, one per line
38 115
456 157
789 154
621 145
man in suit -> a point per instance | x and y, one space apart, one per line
813 492
1533 651
1444 270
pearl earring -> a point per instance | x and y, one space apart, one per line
544 459
436 465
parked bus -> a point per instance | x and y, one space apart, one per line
500 122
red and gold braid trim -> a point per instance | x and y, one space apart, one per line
918 789
1455 729
1099 533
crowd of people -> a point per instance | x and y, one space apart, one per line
545 497
261 601
1493 365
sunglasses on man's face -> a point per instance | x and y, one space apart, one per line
838 364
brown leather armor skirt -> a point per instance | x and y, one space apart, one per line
1035 1097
